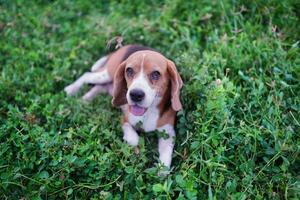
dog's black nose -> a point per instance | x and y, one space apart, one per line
137 95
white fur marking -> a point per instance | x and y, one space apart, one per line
130 135
143 61
165 146
92 93
88 77
97 65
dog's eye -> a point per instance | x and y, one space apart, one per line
129 72
155 75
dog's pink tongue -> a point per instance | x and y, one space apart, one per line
137 110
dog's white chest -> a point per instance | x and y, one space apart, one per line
147 122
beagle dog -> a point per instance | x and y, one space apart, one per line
146 85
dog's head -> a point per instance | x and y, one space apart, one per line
143 80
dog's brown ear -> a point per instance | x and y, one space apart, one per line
119 86
176 85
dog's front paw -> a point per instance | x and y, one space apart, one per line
163 171
71 89
131 138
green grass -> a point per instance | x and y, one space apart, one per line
238 136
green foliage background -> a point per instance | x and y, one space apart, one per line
237 137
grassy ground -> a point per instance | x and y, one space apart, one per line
237 137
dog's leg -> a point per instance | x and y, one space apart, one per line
92 93
130 135
100 77
165 146
100 63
